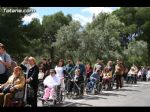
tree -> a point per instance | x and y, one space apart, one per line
136 53
11 30
33 33
68 43
137 23
51 25
100 39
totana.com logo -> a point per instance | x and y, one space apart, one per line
17 10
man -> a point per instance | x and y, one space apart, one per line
45 67
80 66
69 67
5 62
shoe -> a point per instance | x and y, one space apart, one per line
50 98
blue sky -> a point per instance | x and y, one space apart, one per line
82 14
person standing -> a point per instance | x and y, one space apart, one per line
98 65
80 66
45 67
60 71
24 65
89 71
5 64
32 80
119 72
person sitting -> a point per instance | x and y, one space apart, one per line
95 75
76 82
51 81
94 78
132 74
107 76
15 82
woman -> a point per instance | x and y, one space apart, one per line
110 65
24 65
107 76
32 80
89 71
16 81
60 71
51 81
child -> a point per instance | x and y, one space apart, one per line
50 81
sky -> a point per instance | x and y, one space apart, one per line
82 14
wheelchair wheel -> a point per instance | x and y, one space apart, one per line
54 102
99 87
61 97
87 88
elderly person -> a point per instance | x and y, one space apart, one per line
51 81
32 80
132 74
5 63
15 82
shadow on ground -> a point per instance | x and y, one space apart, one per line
111 94
80 105
123 89
94 97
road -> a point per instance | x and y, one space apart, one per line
130 95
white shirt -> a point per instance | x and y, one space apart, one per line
59 71
148 74
51 81
139 73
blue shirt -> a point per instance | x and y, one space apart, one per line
6 58
95 75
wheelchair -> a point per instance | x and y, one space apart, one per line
131 78
94 86
107 84
77 90
58 97
17 99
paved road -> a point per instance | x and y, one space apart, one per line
129 95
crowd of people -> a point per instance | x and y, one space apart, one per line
65 73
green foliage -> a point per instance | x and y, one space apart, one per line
11 33
92 42
136 21
98 39
136 53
